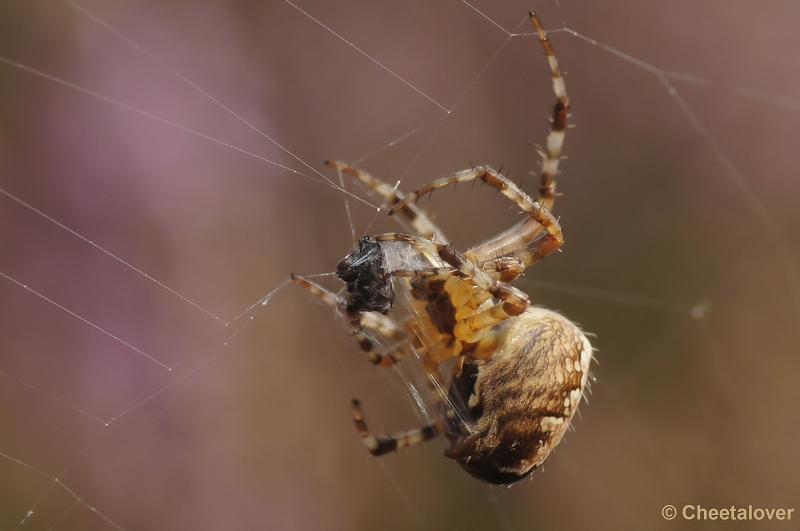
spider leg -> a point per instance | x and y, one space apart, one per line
385 445
362 321
539 217
513 239
508 260
384 325
525 231
555 140
414 215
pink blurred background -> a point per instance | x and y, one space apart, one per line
687 272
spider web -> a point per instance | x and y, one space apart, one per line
161 175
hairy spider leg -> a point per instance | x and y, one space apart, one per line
414 215
558 127
386 327
517 237
384 445
362 321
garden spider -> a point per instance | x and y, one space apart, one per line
517 372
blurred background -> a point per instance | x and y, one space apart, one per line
139 219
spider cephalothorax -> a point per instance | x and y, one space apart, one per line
516 372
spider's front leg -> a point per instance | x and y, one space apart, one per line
541 230
414 215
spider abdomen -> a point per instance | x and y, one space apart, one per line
518 403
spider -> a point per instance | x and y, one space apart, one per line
516 372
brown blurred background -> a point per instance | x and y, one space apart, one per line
687 270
